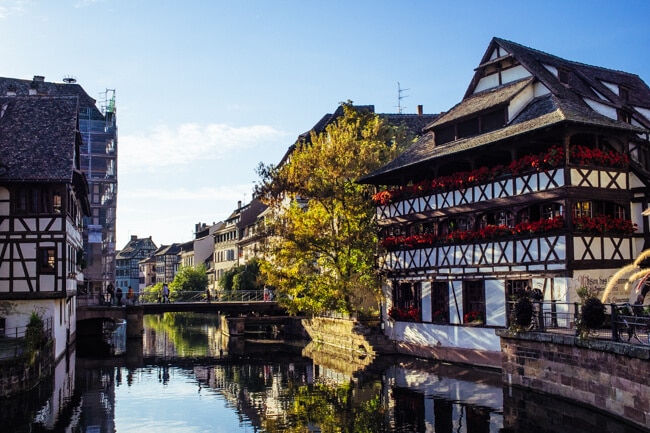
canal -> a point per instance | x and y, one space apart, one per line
185 376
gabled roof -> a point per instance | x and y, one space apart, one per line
250 214
413 122
560 103
167 250
133 247
38 86
584 79
38 139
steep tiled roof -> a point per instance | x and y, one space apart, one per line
583 79
134 246
250 214
37 138
564 104
18 87
172 249
413 122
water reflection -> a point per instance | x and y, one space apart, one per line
185 376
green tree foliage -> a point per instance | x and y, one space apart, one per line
242 277
189 279
151 293
322 245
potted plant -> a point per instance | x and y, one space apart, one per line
592 313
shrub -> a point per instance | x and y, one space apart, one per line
35 332
593 313
523 313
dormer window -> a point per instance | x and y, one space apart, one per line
623 93
563 75
625 116
471 126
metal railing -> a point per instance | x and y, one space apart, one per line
623 322
85 300
12 340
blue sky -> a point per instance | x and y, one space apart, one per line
206 90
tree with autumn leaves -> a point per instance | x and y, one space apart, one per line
322 238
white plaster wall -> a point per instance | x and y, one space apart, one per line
603 109
611 86
426 301
487 83
513 74
456 302
645 112
17 314
551 69
520 101
495 306
434 335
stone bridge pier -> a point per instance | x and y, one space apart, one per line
133 314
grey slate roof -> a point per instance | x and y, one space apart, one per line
133 247
564 104
10 86
413 122
38 138
250 214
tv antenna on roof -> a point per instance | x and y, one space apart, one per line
400 97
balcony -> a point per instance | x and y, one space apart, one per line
532 174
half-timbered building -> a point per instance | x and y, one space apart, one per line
43 198
538 177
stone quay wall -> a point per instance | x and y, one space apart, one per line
25 371
610 376
350 336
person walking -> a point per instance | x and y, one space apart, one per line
111 293
118 295
165 294
130 296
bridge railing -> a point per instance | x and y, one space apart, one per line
85 300
223 296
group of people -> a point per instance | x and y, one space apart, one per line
115 296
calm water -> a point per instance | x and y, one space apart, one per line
186 377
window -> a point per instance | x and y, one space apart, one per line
516 286
498 218
473 301
47 260
407 302
551 210
439 302
453 224
619 212
582 209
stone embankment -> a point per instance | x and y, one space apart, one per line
352 335
609 376
25 371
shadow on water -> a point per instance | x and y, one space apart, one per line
271 386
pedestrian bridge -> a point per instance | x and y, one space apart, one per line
244 303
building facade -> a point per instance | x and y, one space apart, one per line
98 153
226 244
538 177
127 260
43 199
168 261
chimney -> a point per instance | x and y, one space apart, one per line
420 110
134 237
238 204
39 78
